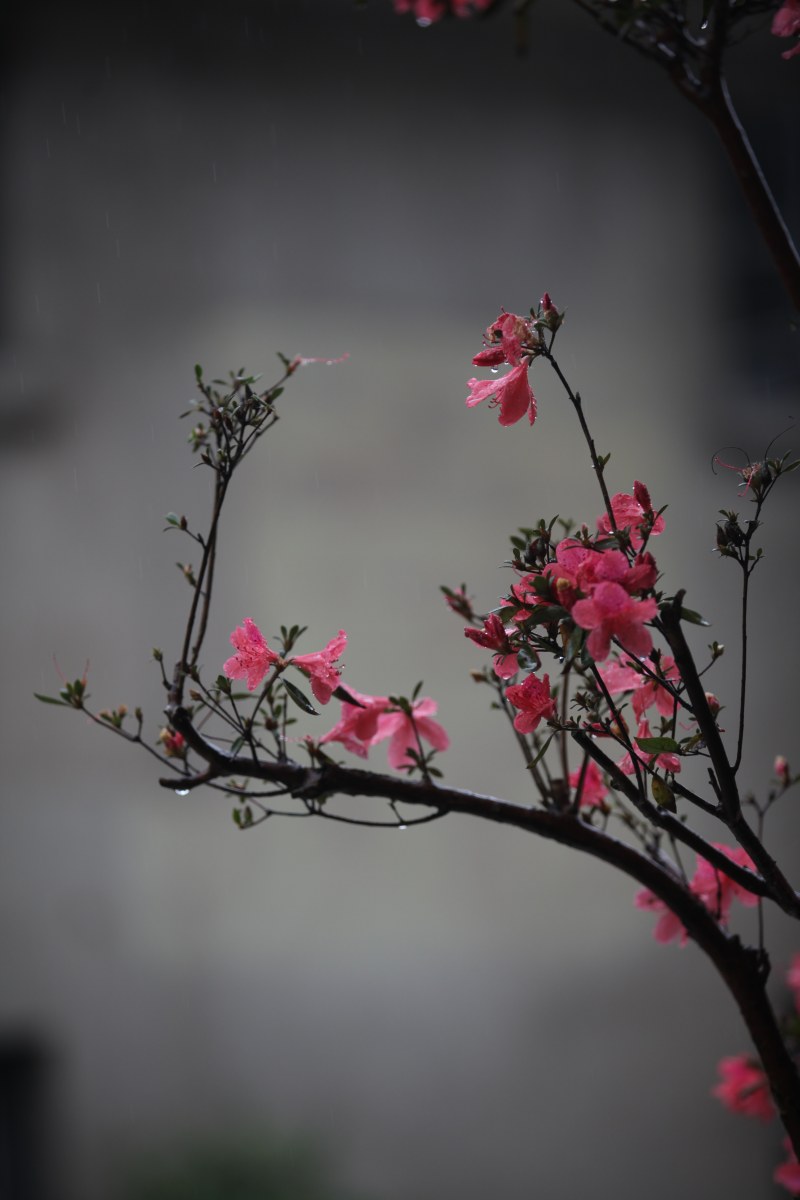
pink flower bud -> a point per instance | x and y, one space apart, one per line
642 496
713 703
781 769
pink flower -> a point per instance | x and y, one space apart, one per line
788 1173
532 697
713 888
649 691
400 728
494 636
594 790
716 890
357 727
630 514
743 1087
611 612
253 657
512 393
786 23
782 772
668 927
319 667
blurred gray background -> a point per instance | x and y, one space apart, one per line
457 1011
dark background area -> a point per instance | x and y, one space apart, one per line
453 1011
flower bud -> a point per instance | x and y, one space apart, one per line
781 769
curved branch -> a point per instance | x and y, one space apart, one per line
742 969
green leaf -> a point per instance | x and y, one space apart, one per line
694 618
541 752
658 745
301 700
51 700
198 372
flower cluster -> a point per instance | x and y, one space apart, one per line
592 584
367 721
712 887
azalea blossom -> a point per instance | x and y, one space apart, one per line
512 393
357 727
253 657
669 926
711 886
743 1087
593 790
788 1173
786 23
494 636
403 732
532 697
611 612
630 514
320 669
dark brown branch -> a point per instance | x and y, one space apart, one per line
742 969
669 622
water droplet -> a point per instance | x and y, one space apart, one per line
494 370
402 827
424 22
704 24
181 791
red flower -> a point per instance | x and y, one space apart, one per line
319 667
788 1173
611 613
743 1087
512 393
357 727
532 697
786 23
494 636
253 657
630 514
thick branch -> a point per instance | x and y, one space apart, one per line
742 968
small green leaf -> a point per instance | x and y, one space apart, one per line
694 618
51 700
531 765
658 745
172 519
198 372
663 794
301 700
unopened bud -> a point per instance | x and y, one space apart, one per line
642 496
781 768
663 794
713 703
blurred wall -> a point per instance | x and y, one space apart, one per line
460 1011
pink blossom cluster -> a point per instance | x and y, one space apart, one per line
427 12
600 588
371 720
513 341
786 23
712 887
